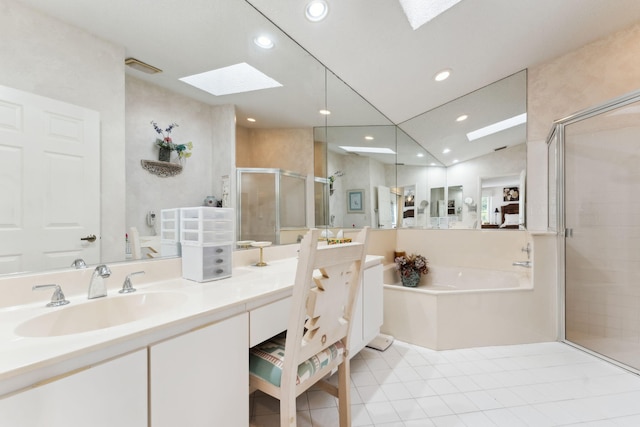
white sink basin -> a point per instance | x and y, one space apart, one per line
99 314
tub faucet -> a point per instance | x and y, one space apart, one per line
527 250
97 288
526 264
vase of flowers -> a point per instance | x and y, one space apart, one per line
411 267
166 144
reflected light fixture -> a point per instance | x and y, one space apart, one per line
263 42
325 112
368 138
251 119
420 155
442 75
497 127
462 118
316 10
446 150
372 150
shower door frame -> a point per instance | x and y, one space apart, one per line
278 173
562 232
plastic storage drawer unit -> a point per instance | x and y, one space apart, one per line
205 263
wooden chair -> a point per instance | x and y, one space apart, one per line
317 338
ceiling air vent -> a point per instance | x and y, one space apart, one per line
141 66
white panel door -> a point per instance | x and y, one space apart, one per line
49 182
384 208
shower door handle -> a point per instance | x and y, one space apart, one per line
568 232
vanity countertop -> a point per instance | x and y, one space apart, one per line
28 360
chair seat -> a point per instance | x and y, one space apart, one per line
265 360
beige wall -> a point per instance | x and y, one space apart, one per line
44 56
207 126
588 76
287 149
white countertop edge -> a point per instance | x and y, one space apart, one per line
124 339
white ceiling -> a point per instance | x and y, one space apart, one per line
369 44
372 47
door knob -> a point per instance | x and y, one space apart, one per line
90 238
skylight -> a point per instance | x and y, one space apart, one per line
372 150
419 12
497 127
236 78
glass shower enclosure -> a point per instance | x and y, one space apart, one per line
271 205
594 159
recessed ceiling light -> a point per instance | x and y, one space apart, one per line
497 127
455 160
316 10
432 164
236 78
251 119
462 118
374 150
368 138
325 112
445 151
442 75
420 155
263 42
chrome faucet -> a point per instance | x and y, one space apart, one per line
97 288
526 264
57 299
79 263
127 287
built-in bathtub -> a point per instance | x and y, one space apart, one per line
457 307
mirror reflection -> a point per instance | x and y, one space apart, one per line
393 188
474 139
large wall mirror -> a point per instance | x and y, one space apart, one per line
478 142
282 137
344 187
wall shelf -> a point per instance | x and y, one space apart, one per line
162 169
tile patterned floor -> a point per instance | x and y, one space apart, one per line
547 384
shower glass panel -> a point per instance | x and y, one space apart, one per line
602 238
272 205
292 201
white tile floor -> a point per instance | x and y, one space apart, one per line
548 384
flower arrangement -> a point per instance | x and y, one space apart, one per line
335 175
332 178
167 143
410 268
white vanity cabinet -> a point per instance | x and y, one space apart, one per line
201 378
368 313
113 393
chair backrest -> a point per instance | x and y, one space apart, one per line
325 290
